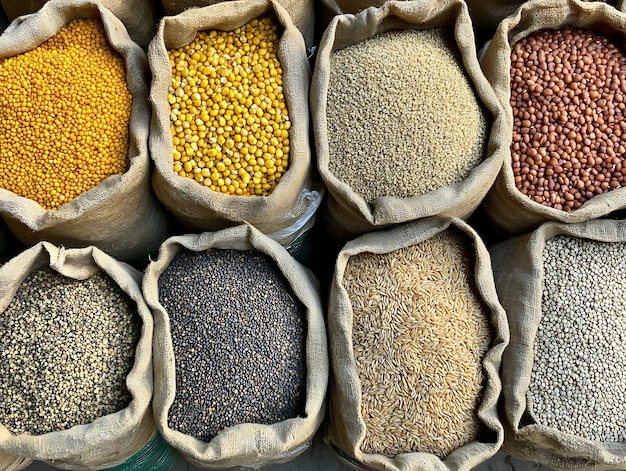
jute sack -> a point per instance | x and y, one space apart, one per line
346 213
197 207
121 216
347 429
111 439
139 16
340 7
487 15
244 445
518 272
507 208
302 13
12 463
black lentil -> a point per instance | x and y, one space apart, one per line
238 338
67 346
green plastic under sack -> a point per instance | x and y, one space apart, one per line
157 455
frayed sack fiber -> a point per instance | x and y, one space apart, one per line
141 27
302 13
547 421
245 445
507 207
112 438
355 416
347 212
121 215
198 207
12 463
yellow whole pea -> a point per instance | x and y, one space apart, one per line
228 85
64 116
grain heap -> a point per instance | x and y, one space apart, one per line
238 339
568 98
578 381
64 116
403 118
419 335
229 120
67 346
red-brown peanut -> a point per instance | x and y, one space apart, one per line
568 95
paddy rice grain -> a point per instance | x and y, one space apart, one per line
420 332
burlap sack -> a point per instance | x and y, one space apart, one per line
518 272
340 7
244 445
111 439
139 16
508 208
329 8
4 21
196 206
12 463
347 429
302 13
487 15
347 214
121 216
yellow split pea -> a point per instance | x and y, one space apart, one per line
64 116
229 121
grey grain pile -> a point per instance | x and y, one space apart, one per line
238 338
65 351
578 381
403 118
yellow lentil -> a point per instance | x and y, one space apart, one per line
228 110
64 116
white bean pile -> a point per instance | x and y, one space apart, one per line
578 382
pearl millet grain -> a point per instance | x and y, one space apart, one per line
403 118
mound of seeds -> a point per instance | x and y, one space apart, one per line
578 381
64 116
568 94
403 118
419 335
238 338
229 120
67 347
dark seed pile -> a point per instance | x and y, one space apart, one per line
238 337
65 351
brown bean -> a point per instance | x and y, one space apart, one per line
574 131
